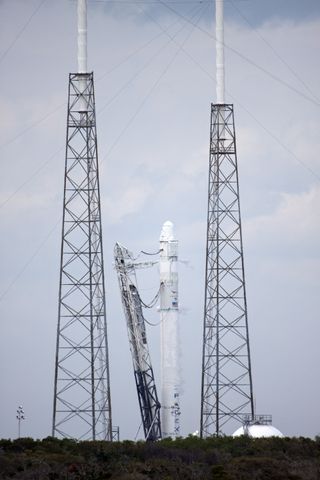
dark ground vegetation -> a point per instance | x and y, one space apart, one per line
222 458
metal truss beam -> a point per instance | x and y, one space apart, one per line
226 394
82 406
143 371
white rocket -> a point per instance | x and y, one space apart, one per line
169 312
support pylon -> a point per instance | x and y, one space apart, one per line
226 395
82 406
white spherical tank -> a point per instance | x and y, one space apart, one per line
258 431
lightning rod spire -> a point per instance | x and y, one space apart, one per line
82 36
220 52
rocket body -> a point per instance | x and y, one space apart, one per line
169 313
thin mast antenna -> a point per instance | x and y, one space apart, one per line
82 36
220 52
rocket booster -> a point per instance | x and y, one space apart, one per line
169 311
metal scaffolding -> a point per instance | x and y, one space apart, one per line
226 394
82 406
143 371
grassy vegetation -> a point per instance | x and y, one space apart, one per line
222 458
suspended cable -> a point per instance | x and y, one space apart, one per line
146 64
128 124
135 438
155 253
16 38
272 135
241 55
32 125
29 261
37 122
276 53
153 2
277 139
163 319
145 99
61 105
34 174
135 52
153 301
152 324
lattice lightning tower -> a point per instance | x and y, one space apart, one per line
82 406
226 394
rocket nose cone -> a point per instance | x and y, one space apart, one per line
167 232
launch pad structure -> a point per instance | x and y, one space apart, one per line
159 421
143 372
226 388
82 404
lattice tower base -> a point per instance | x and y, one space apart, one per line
82 406
226 394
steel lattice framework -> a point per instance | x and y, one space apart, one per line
143 371
82 407
226 369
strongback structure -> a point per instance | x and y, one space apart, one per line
143 371
226 396
82 407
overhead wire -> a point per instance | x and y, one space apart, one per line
149 93
32 125
108 72
180 48
155 253
271 134
30 178
164 31
163 319
135 52
152 303
275 52
151 2
107 104
18 35
168 6
280 142
155 2
145 65
29 261
113 146
244 57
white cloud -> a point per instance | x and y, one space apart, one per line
130 200
295 223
